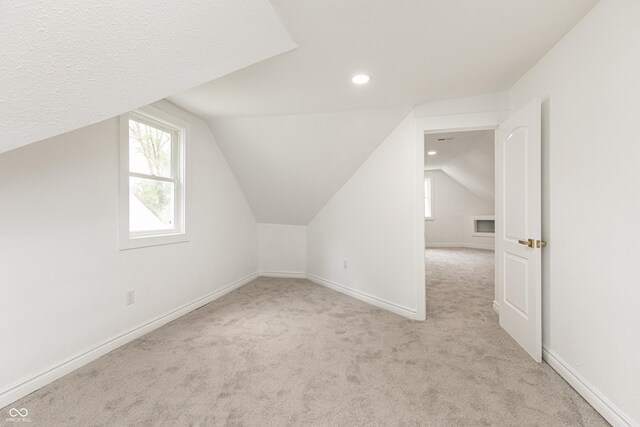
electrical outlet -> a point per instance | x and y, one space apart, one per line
130 297
345 265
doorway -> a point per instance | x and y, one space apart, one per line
518 236
459 224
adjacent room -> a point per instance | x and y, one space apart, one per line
459 183
344 213
460 190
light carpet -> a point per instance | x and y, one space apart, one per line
288 352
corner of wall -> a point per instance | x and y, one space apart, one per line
344 249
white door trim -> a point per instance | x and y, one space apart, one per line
436 124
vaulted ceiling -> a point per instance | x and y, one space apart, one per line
294 128
415 51
467 157
289 166
65 64
292 125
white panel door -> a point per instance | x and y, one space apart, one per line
518 231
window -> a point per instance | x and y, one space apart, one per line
428 198
152 188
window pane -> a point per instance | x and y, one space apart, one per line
151 205
427 198
149 150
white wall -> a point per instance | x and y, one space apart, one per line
591 91
282 250
472 105
371 223
453 206
62 277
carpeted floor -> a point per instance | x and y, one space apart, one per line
288 352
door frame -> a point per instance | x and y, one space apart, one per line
437 124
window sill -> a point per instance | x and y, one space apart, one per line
147 241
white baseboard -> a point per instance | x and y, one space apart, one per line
444 245
24 387
460 245
478 246
283 274
596 399
15 392
370 299
496 307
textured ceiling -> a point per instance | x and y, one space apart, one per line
288 167
65 64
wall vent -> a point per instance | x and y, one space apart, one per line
483 226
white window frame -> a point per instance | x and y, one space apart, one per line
156 118
428 181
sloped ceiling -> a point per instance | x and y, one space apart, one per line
289 166
294 127
65 64
416 51
467 157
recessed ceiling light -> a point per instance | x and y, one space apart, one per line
431 153
360 79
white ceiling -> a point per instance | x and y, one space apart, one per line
454 145
415 51
467 157
288 167
293 127
297 151
65 64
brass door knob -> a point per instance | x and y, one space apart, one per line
528 242
540 243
